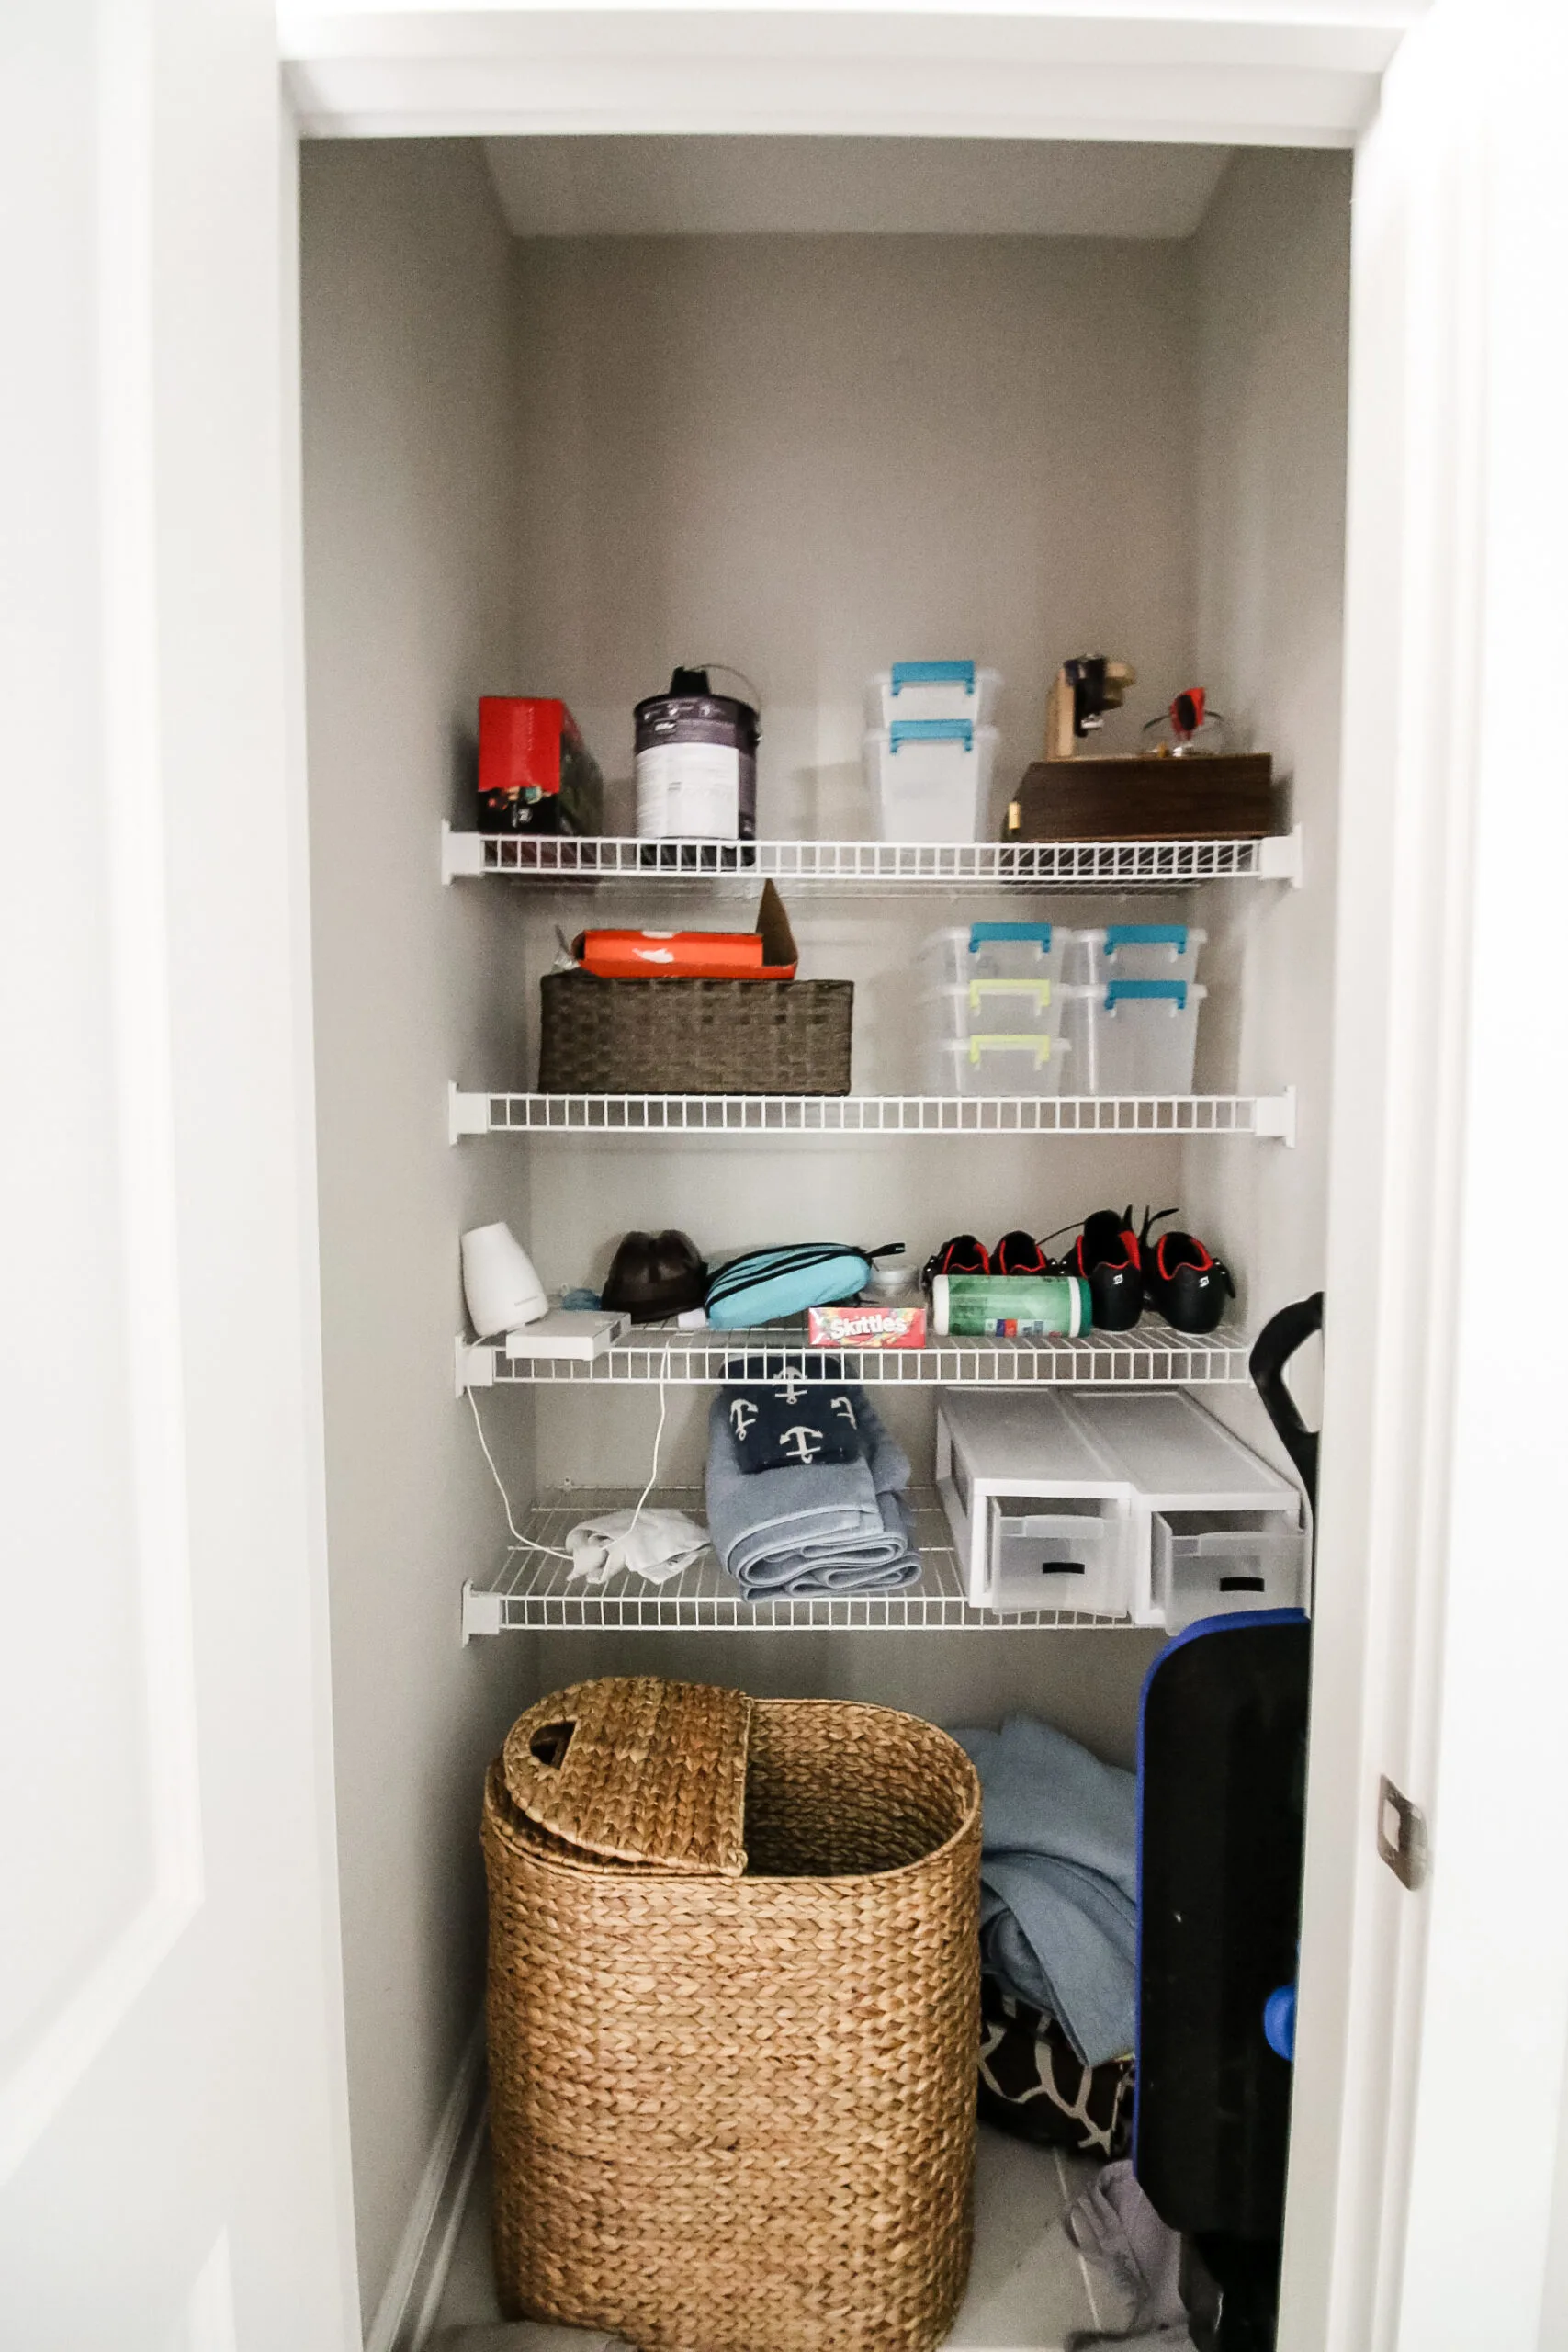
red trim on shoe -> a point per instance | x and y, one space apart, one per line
1201 1263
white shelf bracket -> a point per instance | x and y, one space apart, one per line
467 1114
474 1366
1278 858
1276 1116
461 853
482 1614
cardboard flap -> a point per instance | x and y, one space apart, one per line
778 939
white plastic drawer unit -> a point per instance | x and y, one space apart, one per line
1133 1036
997 1454
1064 1554
1121 1466
1209 1563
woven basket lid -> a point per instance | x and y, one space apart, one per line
635 1770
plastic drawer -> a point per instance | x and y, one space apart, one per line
1133 1036
991 950
932 690
1133 951
1211 1567
1001 1065
1049 1556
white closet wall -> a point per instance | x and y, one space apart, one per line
410 443
1273 290
808 456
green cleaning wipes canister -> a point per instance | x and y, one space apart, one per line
1008 1307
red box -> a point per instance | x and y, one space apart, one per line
536 773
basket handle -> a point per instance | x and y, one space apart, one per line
543 1749
547 1746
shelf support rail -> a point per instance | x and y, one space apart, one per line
1271 1116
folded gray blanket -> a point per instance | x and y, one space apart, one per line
835 1527
1058 1880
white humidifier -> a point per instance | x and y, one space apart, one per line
499 1282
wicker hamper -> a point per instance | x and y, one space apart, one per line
694 1036
733 2007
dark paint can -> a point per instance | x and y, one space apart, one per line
696 764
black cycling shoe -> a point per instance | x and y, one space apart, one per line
1106 1255
962 1255
1188 1284
1019 1253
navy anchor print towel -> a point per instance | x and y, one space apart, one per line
787 1424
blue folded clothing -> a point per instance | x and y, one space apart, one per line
826 1527
1058 1881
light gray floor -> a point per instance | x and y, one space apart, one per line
1028 2290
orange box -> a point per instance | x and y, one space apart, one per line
769 953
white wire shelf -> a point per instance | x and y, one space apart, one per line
1271 1115
530 1593
564 861
1152 1355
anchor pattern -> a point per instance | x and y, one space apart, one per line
789 1421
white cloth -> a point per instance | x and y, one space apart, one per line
660 1544
1113 2225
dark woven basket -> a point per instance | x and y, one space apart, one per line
694 1036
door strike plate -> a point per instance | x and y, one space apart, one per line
1401 1835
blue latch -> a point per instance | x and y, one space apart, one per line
1040 933
933 730
1123 992
933 673
1146 934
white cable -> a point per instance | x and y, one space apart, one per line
524 1542
658 1435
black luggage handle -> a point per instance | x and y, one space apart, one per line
1271 1352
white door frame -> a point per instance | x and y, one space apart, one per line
1438 1412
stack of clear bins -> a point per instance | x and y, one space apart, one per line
930 750
1130 1003
991 1009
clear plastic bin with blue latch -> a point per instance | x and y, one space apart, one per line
1133 1036
1132 950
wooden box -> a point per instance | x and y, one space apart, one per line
1217 797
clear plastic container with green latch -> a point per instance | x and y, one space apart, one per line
999 1065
